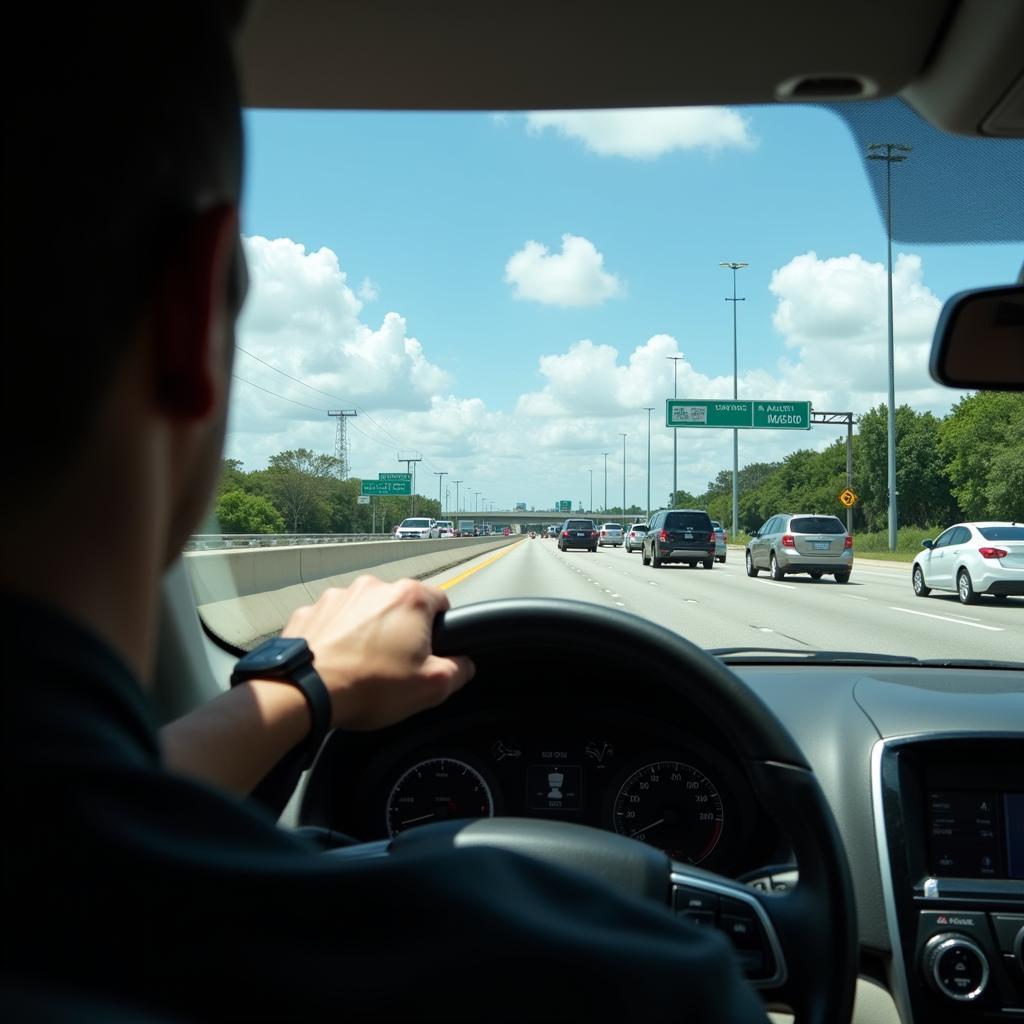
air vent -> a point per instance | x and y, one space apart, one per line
806 88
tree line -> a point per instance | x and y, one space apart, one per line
967 465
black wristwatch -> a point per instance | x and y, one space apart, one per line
289 660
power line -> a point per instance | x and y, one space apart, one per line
276 395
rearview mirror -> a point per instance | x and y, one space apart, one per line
979 340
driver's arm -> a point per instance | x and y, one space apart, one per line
371 644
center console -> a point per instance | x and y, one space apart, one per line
949 817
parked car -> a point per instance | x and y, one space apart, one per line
578 533
721 539
814 544
610 534
417 529
679 535
635 537
973 559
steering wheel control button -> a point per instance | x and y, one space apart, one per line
956 967
688 900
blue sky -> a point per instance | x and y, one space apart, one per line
431 207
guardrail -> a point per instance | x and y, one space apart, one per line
221 541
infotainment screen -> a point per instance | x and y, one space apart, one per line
976 833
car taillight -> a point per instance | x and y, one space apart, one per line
603 533
725 537
663 535
787 541
593 533
565 533
991 552
848 543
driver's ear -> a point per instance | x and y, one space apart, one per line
192 316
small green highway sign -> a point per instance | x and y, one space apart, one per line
395 476
564 506
392 487
739 414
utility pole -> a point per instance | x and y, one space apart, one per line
440 480
457 509
735 394
605 454
650 409
623 436
894 153
675 433
410 459
341 440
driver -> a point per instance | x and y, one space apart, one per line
139 883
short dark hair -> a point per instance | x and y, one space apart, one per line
126 122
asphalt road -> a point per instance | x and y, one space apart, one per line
875 612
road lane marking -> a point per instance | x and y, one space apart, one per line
448 584
620 604
948 618
853 597
785 586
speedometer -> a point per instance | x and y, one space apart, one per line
439 789
673 806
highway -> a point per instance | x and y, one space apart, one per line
875 612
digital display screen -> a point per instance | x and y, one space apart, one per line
976 833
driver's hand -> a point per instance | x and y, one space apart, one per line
372 647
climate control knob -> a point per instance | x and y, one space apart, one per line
955 967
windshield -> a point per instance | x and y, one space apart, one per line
505 318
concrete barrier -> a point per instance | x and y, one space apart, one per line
244 595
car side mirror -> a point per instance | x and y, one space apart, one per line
979 340
928 544
755 535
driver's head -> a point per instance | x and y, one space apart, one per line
122 267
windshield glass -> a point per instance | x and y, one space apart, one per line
506 318
1002 532
816 524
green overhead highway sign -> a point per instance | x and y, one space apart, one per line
564 506
392 487
737 414
395 476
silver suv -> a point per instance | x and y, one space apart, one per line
814 544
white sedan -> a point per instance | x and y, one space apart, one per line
972 559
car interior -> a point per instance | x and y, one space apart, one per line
873 864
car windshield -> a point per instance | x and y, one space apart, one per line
816 524
501 317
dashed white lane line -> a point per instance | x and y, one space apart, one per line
853 597
785 586
947 618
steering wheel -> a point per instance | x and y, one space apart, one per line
799 947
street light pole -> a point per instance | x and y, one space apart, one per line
623 436
650 409
590 508
735 394
476 502
457 509
675 433
605 454
440 480
894 153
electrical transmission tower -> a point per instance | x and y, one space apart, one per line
341 440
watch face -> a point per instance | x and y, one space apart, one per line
275 656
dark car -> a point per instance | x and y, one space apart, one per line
679 535
578 533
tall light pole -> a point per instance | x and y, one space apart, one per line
457 509
623 436
476 501
891 153
440 480
675 433
590 507
605 454
735 394
650 409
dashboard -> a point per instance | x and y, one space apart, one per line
613 766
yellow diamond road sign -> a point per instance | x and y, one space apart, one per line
848 498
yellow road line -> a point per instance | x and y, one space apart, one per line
448 584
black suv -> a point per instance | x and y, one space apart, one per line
680 535
578 533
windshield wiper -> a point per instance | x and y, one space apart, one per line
782 655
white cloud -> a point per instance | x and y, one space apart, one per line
368 291
833 314
645 134
573 277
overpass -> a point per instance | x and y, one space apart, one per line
537 519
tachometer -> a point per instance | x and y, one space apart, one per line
437 789
672 806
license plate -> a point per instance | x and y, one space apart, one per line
687 536
581 535
821 545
